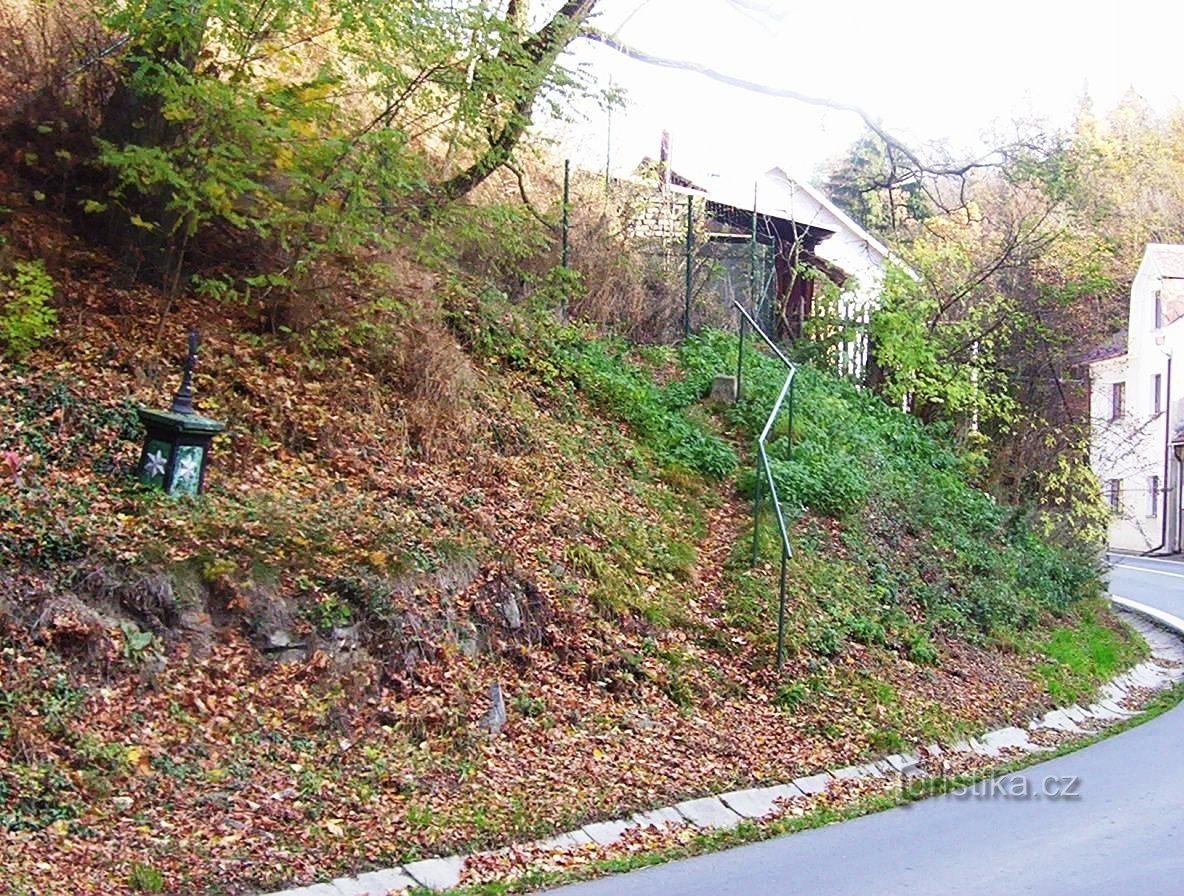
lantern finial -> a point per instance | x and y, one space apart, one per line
183 400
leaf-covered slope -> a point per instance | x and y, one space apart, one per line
285 679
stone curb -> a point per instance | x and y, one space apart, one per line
1167 620
730 809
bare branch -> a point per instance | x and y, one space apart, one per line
899 146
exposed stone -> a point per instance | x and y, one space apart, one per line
511 612
495 717
723 388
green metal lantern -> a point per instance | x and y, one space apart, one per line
177 445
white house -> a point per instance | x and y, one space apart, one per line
1137 409
820 235
799 229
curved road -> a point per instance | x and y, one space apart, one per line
1122 835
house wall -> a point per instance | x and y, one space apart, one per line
1130 449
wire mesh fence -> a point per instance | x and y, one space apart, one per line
662 259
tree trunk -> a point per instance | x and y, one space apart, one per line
537 54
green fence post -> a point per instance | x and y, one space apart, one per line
686 313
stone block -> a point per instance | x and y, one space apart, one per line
812 784
708 812
375 883
567 840
607 832
723 388
1008 738
659 818
759 801
437 874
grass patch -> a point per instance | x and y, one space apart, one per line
1083 655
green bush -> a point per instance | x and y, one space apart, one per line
900 489
26 316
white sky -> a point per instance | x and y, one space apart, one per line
930 70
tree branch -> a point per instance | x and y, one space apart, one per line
899 146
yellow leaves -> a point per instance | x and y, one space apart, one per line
306 129
142 224
335 826
313 93
284 159
137 758
175 112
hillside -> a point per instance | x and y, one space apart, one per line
426 488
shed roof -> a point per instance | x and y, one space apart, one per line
1114 347
1167 257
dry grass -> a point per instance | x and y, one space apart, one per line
438 386
627 288
52 66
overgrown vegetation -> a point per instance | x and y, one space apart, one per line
444 468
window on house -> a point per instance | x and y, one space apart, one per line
1158 310
1114 494
1117 400
1156 393
1153 496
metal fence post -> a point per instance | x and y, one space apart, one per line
686 312
740 359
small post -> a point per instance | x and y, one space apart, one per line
566 200
608 144
740 357
686 313
756 515
781 614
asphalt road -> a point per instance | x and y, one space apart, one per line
1122 834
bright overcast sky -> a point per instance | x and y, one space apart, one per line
930 70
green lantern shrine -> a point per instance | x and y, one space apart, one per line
177 444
